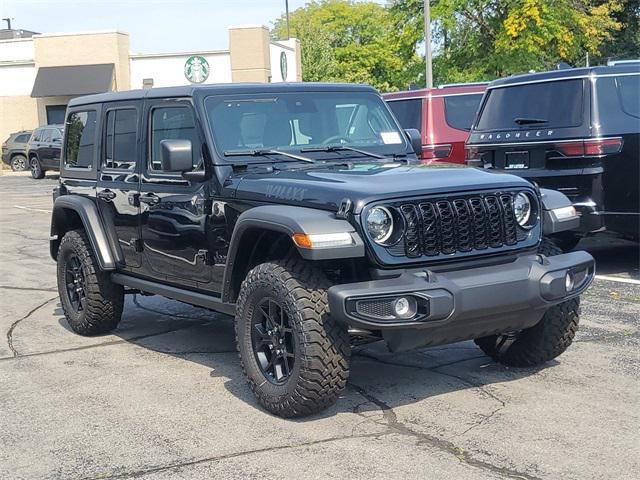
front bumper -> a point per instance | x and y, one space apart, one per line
463 304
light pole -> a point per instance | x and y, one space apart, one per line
286 6
427 44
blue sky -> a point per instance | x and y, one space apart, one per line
154 25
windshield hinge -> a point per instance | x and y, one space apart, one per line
344 208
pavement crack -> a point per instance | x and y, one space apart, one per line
200 461
15 324
395 425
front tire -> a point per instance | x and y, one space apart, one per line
545 340
295 356
19 163
91 302
36 169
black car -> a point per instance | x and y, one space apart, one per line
302 210
14 151
576 131
44 148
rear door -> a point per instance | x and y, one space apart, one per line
174 212
45 148
119 178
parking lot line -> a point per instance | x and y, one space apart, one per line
618 279
32 209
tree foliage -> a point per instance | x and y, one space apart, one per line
346 40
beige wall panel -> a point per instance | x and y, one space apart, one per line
249 49
17 113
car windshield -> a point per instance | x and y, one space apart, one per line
303 122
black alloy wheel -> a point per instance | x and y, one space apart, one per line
76 284
273 341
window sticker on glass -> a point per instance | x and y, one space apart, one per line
390 137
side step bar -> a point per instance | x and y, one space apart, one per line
187 296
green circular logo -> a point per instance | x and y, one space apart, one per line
283 66
196 69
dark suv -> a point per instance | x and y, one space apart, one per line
576 131
302 210
44 148
14 151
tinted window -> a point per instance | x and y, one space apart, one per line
176 123
56 136
629 94
120 139
460 110
80 144
45 136
558 103
408 112
24 138
37 135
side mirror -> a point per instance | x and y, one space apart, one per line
415 139
176 155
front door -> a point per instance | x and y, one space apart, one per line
119 178
174 211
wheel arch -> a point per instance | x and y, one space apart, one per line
265 233
71 212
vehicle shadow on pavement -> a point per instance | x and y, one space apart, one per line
379 380
613 256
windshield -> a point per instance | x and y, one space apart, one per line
298 122
548 104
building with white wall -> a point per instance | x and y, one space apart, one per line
41 73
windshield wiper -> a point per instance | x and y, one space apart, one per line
340 148
265 153
529 121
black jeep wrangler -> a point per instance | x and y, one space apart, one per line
301 209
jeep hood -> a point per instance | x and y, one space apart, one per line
326 187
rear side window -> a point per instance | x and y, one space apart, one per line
177 123
629 94
24 138
460 110
56 136
541 105
408 112
80 146
121 139
45 136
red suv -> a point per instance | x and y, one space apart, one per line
443 116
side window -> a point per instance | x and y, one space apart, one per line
56 136
460 110
408 112
176 123
120 139
629 94
24 138
80 146
45 136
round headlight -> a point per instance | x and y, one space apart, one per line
379 224
522 209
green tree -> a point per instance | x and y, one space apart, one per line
486 39
345 40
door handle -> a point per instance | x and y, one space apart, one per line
149 199
106 195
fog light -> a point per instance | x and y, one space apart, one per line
568 282
405 307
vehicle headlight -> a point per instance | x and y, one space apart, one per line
522 209
379 224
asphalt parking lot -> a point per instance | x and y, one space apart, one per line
164 397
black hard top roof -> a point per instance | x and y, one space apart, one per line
218 89
565 74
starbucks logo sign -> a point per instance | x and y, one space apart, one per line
283 66
196 69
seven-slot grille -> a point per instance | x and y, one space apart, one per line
476 222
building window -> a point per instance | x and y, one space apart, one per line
175 123
80 146
121 139
55 114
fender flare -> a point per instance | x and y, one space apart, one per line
551 201
93 226
288 219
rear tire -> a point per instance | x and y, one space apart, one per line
545 340
91 302
36 169
283 308
19 163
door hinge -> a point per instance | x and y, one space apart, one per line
134 199
204 256
136 243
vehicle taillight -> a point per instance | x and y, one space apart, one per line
471 153
436 151
597 146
